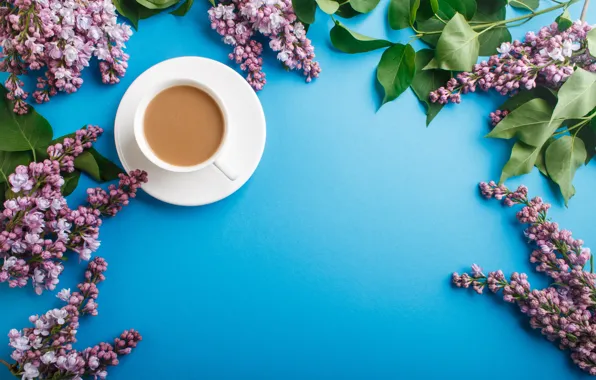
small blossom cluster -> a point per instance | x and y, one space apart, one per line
565 311
546 59
238 21
497 116
36 225
45 350
61 36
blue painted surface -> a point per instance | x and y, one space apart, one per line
334 261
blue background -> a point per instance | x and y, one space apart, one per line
334 261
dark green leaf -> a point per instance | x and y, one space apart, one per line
426 81
402 13
71 180
351 42
564 21
492 39
157 4
396 70
457 49
530 123
490 10
577 95
540 162
10 160
128 9
107 169
588 135
522 160
21 132
525 96
364 6
85 162
2 195
305 10
146 13
448 8
431 25
425 11
346 11
183 9
562 158
529 5
591 38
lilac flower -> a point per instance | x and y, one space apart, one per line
37 227
60 37
545 59
52 356
565 312
237 23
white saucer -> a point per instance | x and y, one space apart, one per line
243 150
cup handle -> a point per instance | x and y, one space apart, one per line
227 170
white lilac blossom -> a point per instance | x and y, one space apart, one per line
565 312
546 59
61 37
37 227
45 351
239 21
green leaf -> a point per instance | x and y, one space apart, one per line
107 169
351 42
10 160
490 10
562 158
305 10
425 11
328 6
426 81
346 11
588 135
2 194
396 70
492 39
183 9
577 95
529 5
157 4
434 5
448 8
525 96
85 162
457 49
530 123
591 38
540 162
431 25
522 160
564 21
364 6
402 13
21 132
129 10
71 180
146 13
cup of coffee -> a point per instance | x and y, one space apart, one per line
182 126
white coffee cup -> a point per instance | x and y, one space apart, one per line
216 159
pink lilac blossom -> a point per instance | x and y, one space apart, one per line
37 226
565 311
239 21
61 37
546 59
45 350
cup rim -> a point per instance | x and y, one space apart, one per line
139 133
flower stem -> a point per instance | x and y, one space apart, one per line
524 17
584 10
5 363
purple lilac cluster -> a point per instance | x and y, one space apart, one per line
238 21
45 350
547 59
497 116
37 226
61 36
565 311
